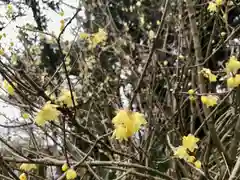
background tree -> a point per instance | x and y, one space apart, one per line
175 62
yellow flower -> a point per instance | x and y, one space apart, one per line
218 2
49 112
208 74
83 35
25 115
192 98
233 65
8 87
61 13
190 142
127 123
190 91
209 100
121 133
65 98
212 7
139 120
23 176
98 37
65 167
62 25
71 174
198 164
28 167
233 82
181 152
191 159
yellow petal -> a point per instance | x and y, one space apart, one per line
28 167
121 133
181 152
25 115
198 164
231 82
191 159
65 167
66 98
48 112
23 176
233 65
212 7
190 91
219 2
71 174
209 100
190 142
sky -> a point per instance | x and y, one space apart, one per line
53 23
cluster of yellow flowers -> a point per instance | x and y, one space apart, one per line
212 6
49 111
232 67
27 168
8 87
126 123
70 173
189 145
209 100
209 75
95 38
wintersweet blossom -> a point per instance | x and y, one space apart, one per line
191 159
191 93
127 123
209 100
219 2
181 152
48 112
62 22
212 7
65 167
190 142
25 115
83 35
198 164
209 75
65 98
8 87
23 176
71 174
99 37
28 167
233 65
233 81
